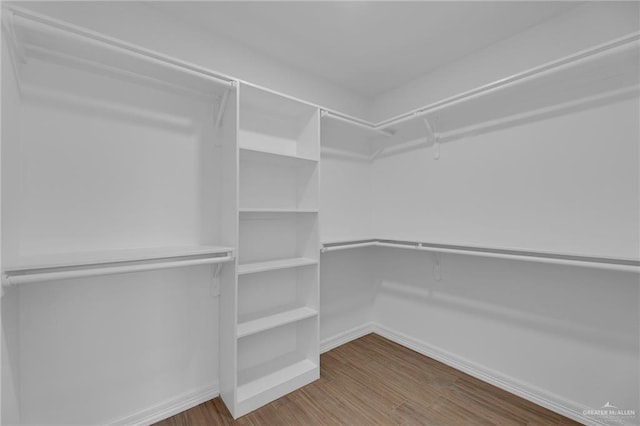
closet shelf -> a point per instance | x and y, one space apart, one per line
571 259
35 36
276 320
609 69
267 210
278 383
272 265
257 154
84 264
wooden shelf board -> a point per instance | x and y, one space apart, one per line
276 320
250 268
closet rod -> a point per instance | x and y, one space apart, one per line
521 77
30 276
348 245
615 264
113 43
362 124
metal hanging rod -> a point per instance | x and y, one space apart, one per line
356 122
10 278
347 245
223 105
113 43
514 79
616 264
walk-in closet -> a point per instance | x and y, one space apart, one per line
341 212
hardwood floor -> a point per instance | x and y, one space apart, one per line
372 381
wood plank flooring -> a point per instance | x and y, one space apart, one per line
372 381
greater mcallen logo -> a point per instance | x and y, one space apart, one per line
610 411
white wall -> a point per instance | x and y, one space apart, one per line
345 183
150 27
566 335
565 182
347 292
346 277
580 28
99 349
568 183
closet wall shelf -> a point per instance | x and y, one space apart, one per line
276 320
585 72
609 263
277 155
272 265
36 34
268 210
278 383
85 264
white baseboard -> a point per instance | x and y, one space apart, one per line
345 337
538 396
169 407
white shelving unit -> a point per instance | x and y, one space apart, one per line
275 345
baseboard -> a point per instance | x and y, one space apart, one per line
169 407
538 396
345 337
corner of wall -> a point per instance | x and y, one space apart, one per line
586 25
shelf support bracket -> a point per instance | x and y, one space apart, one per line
6 282
216 279
437 269
13 37
376 154
433 138
223 104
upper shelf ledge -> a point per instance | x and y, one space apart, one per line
84 264
610 263
38 36
605 67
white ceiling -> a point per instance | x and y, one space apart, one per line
367 47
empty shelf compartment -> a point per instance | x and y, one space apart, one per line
266 237
278 383
273 123
275 182
276 362
276 320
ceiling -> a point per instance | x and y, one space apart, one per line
366 47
